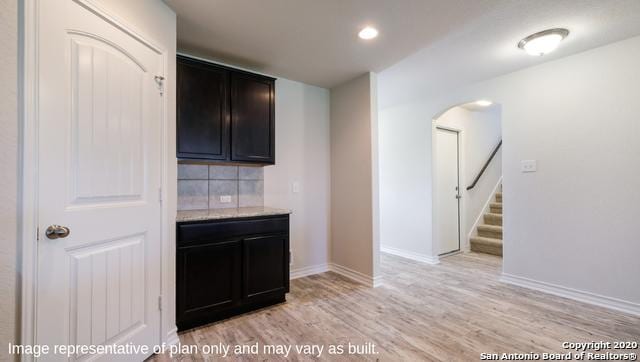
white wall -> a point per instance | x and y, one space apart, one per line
481 130
353 164
9 175
302 156
405 180
572 223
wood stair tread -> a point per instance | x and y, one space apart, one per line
495 207
486 241
486 245
492 219
488 227
490 231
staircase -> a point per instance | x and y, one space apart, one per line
489 234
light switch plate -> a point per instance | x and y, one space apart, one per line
295 187
528 166
225 199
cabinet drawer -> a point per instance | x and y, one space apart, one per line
212 231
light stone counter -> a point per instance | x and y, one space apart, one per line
233 213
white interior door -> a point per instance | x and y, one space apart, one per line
447 191
100 117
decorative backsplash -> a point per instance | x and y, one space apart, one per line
218 187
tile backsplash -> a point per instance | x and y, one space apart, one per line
219 187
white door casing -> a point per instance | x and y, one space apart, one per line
99 173
447 187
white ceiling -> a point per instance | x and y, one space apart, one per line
486 47
315 41
433 43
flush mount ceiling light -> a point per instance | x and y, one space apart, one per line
543 42
368 33
483 103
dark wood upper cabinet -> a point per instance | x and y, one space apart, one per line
252 118
202 111
224 114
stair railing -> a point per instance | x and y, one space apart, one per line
486 164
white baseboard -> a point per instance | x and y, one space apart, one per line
579 295
356 276
339 269
423 258
308 270
377 281
172 337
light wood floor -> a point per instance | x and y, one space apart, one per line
449 312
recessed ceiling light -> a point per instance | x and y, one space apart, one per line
543 42
368 33
484 103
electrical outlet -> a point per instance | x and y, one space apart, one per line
225 199
528 166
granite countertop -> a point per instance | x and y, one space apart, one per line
232 213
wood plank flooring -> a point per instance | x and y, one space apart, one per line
449 312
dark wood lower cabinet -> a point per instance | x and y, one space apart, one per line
230 266
265 268
209 279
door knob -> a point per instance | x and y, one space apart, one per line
57 231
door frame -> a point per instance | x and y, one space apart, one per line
28 60
463 242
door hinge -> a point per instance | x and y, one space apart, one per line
160 82
160 195
38 233
159 302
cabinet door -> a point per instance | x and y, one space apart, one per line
266 267
252 118
202 111
208 279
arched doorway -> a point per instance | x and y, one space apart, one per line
467 177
